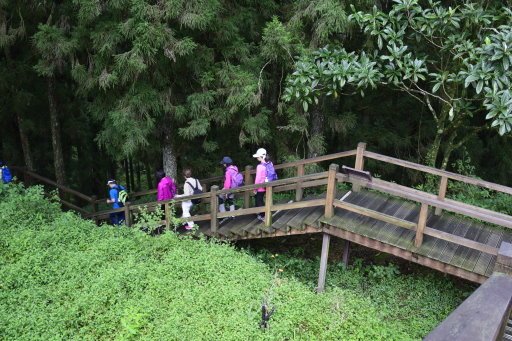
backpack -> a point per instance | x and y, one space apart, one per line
6 175
237 180
195 190
172 188
122 194
271 174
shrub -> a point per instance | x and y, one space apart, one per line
62 277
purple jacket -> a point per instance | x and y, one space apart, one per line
231 171
166 189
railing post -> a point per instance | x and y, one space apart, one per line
214 208
94 203
167 211
443 184
359 165
127 216
504 260
298 190
331 191
323 262
422 221
268 206
247 181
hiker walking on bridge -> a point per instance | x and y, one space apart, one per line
166 189
192 186
117 201
232 179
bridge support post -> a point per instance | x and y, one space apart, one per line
127 217
268 206
422 222
167 216
443 184
247 181
298 190
359 165
214 208
331 191
346 253
326 239
504 260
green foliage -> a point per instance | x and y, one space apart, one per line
65 278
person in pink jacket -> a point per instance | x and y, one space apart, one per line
231 171
166 189
261 174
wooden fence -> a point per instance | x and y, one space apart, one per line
331 179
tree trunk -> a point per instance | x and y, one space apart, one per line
58 157
137 169
127 173
168 154
149 179
25 146
448 149
132 174
316 142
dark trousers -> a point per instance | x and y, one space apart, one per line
117 218
258 198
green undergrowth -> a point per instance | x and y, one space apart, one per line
64 278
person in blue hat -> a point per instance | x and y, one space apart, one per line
232 179
116 218
5 173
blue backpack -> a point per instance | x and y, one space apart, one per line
271 172
6 175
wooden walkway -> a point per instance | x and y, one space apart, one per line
446 256
382 215
463 240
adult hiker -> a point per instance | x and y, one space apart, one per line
5 173
117 197
166 189
265 172
192 186
232 179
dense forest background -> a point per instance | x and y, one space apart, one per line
94 89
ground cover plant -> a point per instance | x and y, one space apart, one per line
62 277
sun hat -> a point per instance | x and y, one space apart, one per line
226 160
260 153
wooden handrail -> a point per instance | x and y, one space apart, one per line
447 204
54 184
439 172
252 171
311 180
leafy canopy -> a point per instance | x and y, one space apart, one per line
458 56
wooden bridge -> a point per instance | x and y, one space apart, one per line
354 206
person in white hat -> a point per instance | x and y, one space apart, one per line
261 174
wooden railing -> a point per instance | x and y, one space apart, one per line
30 177
331 179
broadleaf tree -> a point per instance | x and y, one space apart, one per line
456 61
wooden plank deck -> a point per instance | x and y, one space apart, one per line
434 252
